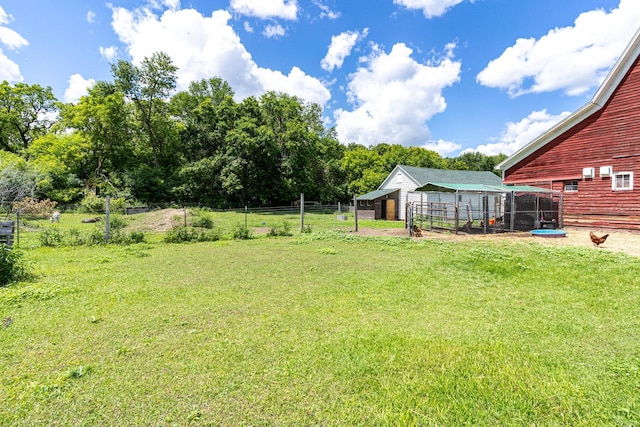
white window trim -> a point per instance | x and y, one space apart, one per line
572 190
614 179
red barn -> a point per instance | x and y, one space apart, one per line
592 156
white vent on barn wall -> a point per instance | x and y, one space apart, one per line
587 172
606 171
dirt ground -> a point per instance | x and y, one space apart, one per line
160 220
618 241
627 242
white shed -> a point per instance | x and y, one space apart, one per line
408 178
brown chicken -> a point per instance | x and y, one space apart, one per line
597 241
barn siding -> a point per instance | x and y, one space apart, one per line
403 182
610 137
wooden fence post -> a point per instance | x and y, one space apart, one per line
301 212
355 211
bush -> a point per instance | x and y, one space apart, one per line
93 204
96 204
11 266
34 207
182 234
202 221
51 237
241 232
117 222
283 229
121 238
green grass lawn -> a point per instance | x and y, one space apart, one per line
322 329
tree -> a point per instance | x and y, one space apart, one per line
103 120
26 113
304 148
17 179
393 155
364 169
62 163
149 87
205 113
481 162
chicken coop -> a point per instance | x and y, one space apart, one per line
475 208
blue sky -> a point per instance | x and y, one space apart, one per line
448 75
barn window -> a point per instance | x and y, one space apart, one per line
623 181
571 186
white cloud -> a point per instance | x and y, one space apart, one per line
274 30
340 47
394 96
160 4
430 8
109 53
247 27
442 147
572 59
517 135
8 37
266 8
326 12
91 17
203 47
295 83
77 88
9 70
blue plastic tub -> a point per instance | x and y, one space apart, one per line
543 232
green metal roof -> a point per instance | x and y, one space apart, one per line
481 188
447 187
527 189
424 176
376 194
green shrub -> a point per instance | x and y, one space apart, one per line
11 266
93 204
202 221
182 234
74 237
284 229
122 238
117 222
95 237
51 237
241 232
96 204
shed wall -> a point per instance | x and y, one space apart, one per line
401 181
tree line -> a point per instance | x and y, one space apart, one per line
136 137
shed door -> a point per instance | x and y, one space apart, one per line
391 210
377 206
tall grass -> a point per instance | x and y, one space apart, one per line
323 329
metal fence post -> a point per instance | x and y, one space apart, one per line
301 212
108 218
